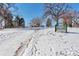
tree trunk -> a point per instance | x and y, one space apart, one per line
66 27
56 24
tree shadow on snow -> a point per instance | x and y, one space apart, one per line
73 32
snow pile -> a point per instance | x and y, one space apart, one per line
48 43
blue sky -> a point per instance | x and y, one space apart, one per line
30 10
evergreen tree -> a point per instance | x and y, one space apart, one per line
22 22
48 23
19 22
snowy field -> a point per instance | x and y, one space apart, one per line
48 43
44 42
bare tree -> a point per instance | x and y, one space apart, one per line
56 10
72 18
36 22
76 18
6 13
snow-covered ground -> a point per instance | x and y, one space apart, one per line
11 40
43 42
48 43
